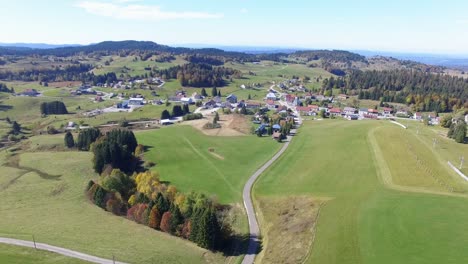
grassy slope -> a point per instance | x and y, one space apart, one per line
22 255
182 157
57 212
364 222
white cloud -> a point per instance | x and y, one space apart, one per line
139 12
244 10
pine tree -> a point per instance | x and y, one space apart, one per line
69 141
176 218
186 109
219 93
203 92
214 92
165 115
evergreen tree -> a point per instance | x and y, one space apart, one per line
214 92
186 109
16 128
243 110
177 111
165 115
216 118
69 141
203 92
176 218
219 93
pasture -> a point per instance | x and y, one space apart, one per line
365 218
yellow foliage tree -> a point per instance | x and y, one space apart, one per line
148 183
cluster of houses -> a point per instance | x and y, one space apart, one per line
129 84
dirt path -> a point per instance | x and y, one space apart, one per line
58 250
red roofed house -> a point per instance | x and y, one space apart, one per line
271 104
305 110
335 111
417 116
387 110
290 98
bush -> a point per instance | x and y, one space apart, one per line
189 117
211 126
51 130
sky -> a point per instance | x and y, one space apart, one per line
429 26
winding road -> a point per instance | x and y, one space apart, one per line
254 241
58 250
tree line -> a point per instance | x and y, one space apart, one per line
199 75
424 91
53 108
142 197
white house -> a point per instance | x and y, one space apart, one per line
271 96
187 100
349 110
135 101
363 111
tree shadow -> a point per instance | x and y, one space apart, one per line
5 108
242 244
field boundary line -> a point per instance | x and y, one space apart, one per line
385 174
457 171
398 123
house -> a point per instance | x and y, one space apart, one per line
123 105
30 92
242 86
387 111
352 117
363 111
417 116
217 99
175 99
305 110
135 102
166 122
252 105
187 100
209 104
349 110
402 113
231 99
271 96
342 97
296 101
314 108
335 111
290 98
271 104
98 99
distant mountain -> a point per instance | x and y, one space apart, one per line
37 45
246 49
452 61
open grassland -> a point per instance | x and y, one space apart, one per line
364 221
128 65
42 194
22 255
182 156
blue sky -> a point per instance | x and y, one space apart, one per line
399 25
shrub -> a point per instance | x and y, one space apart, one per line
69 141
154 218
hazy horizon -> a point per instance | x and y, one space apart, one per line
398 26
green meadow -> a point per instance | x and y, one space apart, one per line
367 218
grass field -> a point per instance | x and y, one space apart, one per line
183 158
49 202
22 255
365 221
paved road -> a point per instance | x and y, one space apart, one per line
58 250
254 241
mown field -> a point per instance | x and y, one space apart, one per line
182 156
365 218
22 255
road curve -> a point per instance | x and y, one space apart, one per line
58 250
254 241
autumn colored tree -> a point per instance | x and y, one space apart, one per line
154 218
166 222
